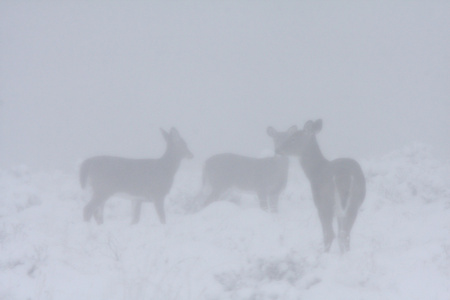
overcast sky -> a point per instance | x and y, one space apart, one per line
81 79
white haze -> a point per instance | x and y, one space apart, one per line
78 79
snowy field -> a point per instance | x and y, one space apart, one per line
400 246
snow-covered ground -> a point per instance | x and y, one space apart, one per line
400 246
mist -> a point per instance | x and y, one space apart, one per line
80 79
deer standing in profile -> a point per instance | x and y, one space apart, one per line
338 186
142 179
266 177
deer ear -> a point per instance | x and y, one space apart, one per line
317 126
313 127
293 129
308 127
271 131
165 134
174 133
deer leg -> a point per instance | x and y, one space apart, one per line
341 212
325 210
273 203
347 224
136 211
95 206
87 211
263 201
343 235
323 200
98 213
351 217
326 219
159 206
348 214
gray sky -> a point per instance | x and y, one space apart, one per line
80 79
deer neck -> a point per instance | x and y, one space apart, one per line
171 159
312 160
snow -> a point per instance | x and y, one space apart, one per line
400 247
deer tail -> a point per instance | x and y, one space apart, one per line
342 205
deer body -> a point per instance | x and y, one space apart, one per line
142 179
266 177
338 186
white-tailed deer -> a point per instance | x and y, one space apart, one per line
266 177
338 186
142 179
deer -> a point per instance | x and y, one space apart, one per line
142 179
267 177
338 186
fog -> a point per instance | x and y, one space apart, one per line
80 79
